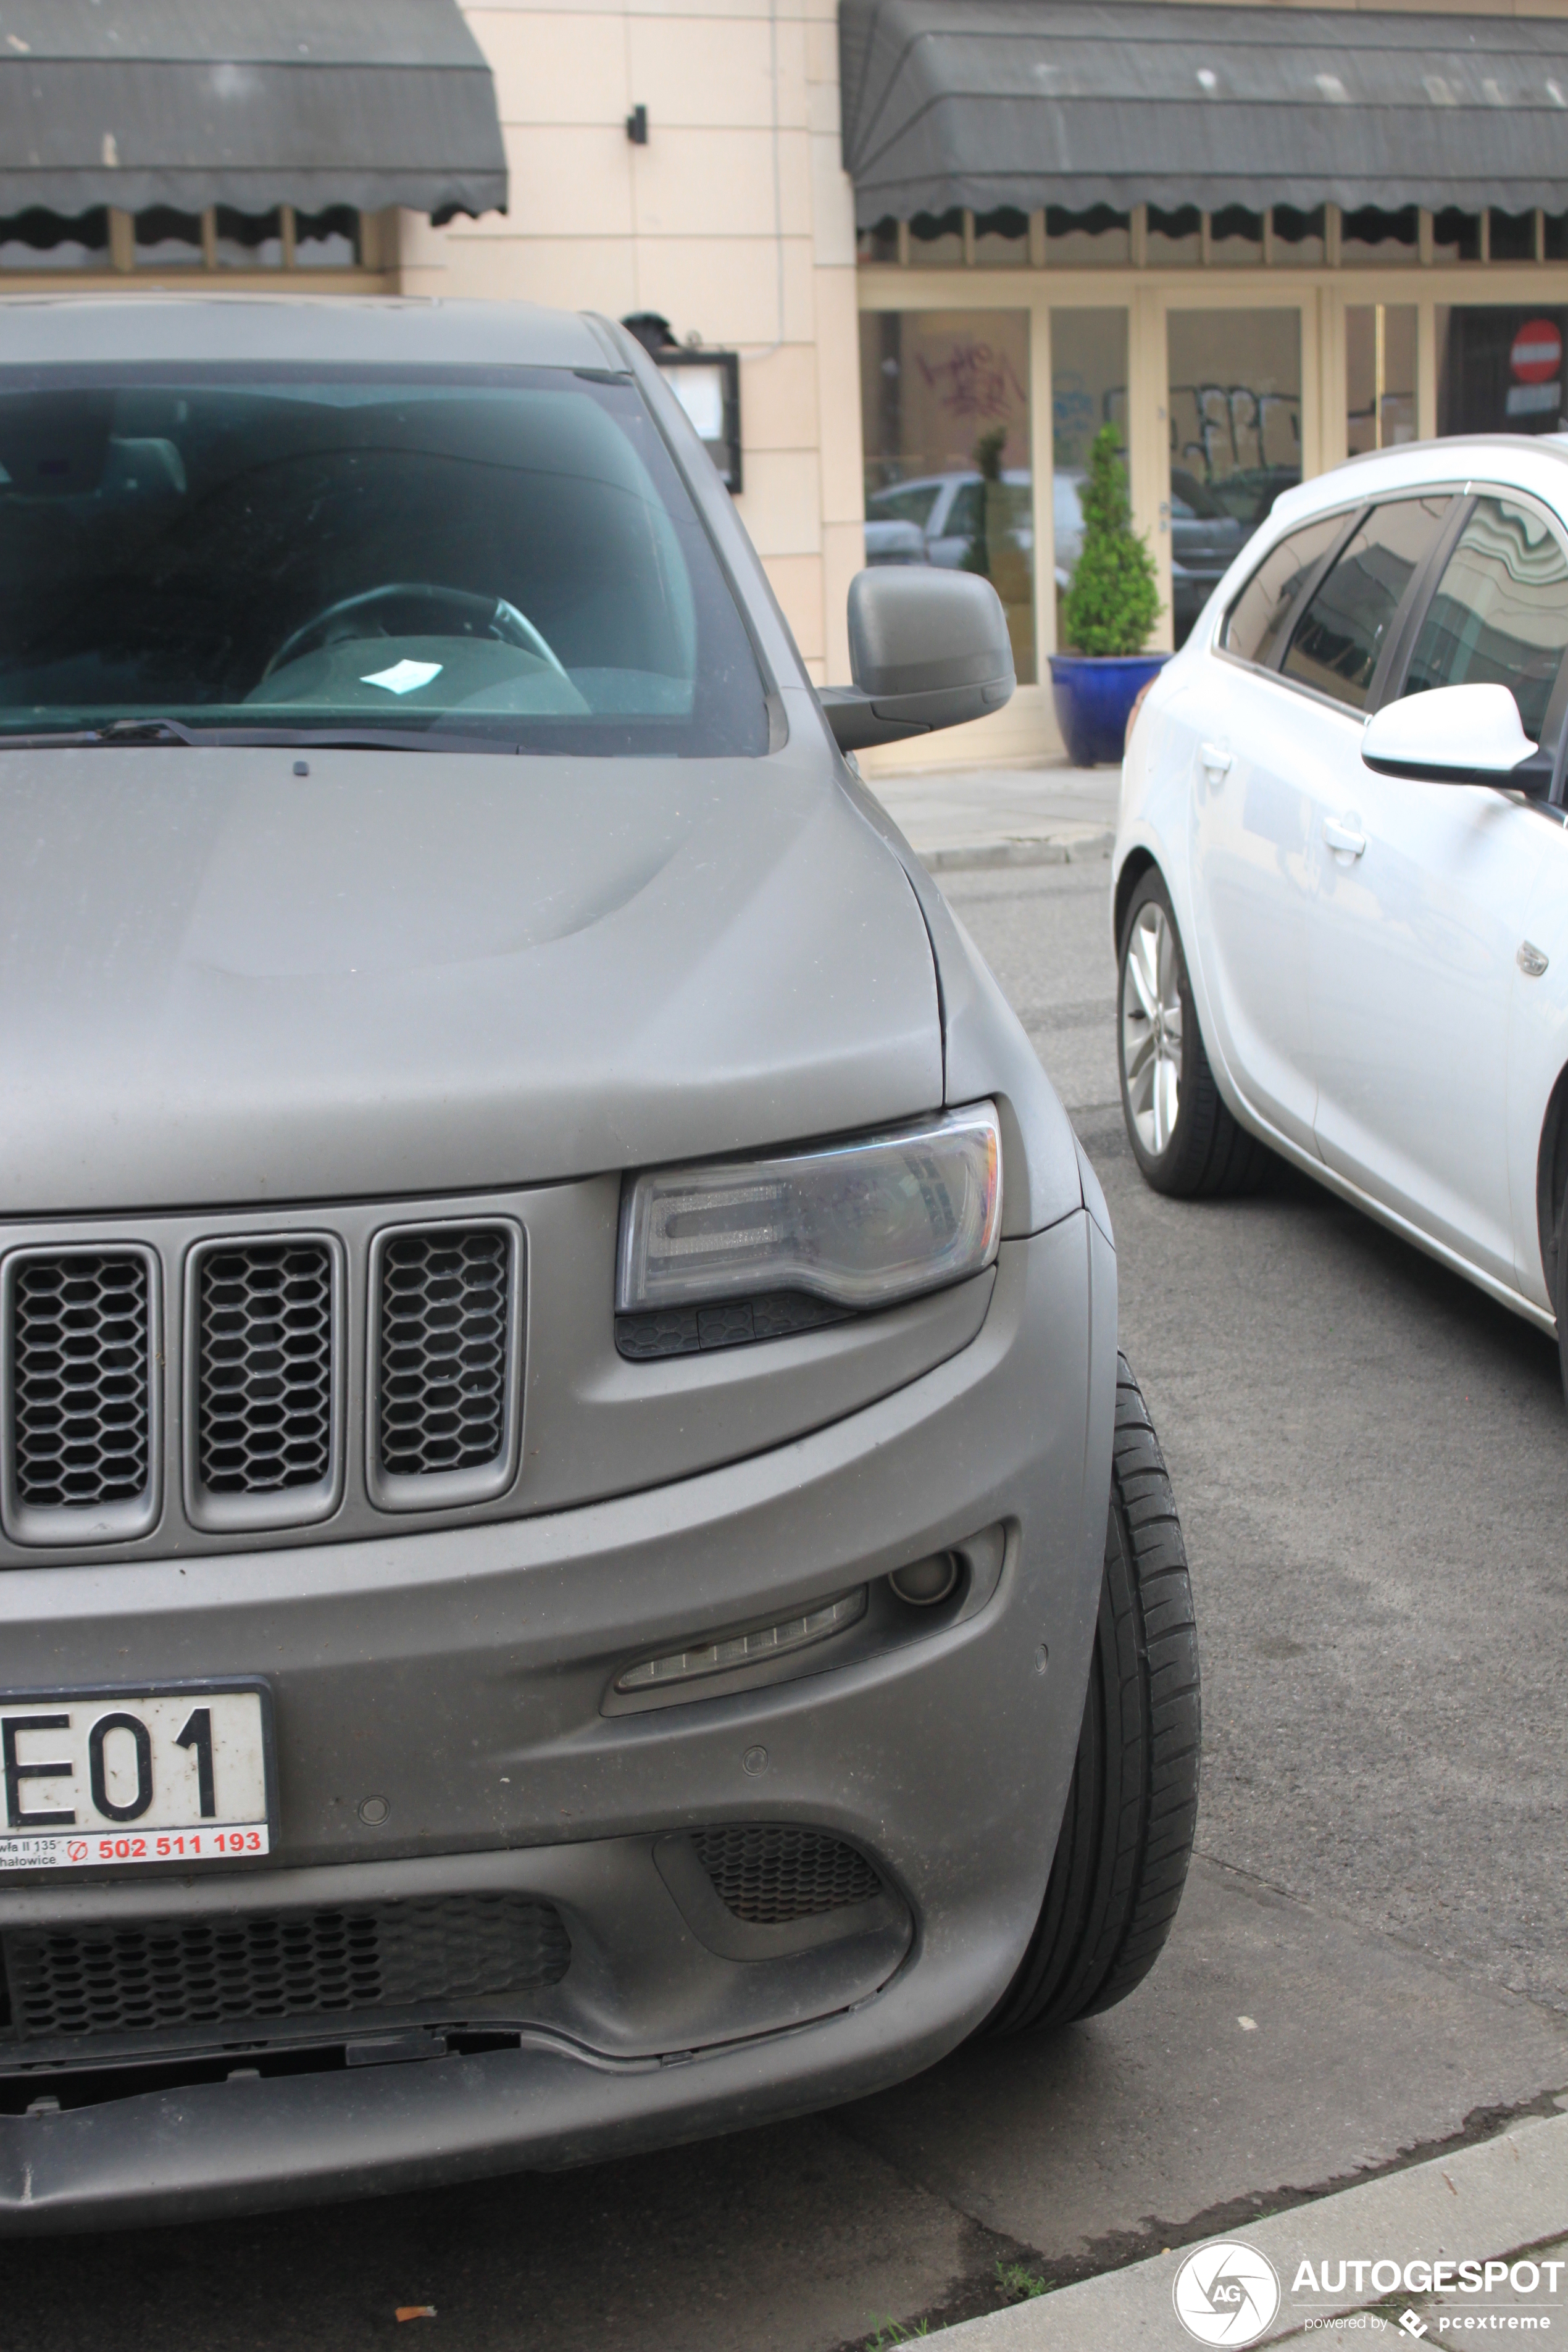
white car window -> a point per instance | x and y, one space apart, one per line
1336 644
1501 612
911 505
963 517
1256 619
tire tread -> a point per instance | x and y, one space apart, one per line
1126 1837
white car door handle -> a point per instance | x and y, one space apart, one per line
1214 758
1343 838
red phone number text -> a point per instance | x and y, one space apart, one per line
168 1846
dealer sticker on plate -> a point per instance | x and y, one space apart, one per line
134 1777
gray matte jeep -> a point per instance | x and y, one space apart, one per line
581 1567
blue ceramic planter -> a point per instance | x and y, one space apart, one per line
1093 694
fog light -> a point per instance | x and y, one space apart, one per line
926 1582
753 1649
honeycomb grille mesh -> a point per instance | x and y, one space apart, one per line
443 1358
768 1875
80 1365
264 1376
168 1973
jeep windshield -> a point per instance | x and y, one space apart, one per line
493 558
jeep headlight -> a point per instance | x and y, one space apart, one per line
863 1223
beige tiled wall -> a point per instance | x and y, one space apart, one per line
736 233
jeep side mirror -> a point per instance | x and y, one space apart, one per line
1453 735
928 648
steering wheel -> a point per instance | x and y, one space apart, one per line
462 614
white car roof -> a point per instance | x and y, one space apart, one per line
1534 462
941 481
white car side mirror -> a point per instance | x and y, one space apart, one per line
1452 735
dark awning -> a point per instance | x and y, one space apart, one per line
1033 103
246 102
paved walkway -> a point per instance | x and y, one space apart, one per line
1484 2208
1003 816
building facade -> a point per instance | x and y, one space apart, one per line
948 239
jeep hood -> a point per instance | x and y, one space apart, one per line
428 973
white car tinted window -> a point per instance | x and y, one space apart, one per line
1253 621
1501 612
1336 644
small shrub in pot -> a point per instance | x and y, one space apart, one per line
1109 609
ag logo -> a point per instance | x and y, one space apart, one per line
1226 2294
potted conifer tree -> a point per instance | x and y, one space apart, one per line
1108 614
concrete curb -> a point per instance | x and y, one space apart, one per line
978 856
1481 2203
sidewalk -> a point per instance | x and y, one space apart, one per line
1493 2201
1003 816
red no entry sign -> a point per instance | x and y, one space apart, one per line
1537 354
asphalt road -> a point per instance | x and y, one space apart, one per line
1372 1463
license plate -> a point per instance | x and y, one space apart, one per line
179 1775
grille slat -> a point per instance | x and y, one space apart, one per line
769 1875
443 1373
80 1381
264 1375
162 1974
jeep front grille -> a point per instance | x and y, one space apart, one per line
264 1371
206 1379
250 1969
445 1340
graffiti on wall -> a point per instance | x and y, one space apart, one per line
974 382
1220 429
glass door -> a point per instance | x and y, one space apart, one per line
945 435
1088 389
1499 367
1234 409
1380 375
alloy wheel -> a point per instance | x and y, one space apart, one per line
1151 1028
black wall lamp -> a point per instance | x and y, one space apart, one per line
636 126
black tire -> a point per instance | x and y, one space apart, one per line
1126 1837
1206 1153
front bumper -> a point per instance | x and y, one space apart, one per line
459 1676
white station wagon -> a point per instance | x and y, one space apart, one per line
1341 898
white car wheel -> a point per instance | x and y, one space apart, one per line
1151 1028
1183 1135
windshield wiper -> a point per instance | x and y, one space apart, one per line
132 732
146 730
117 730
